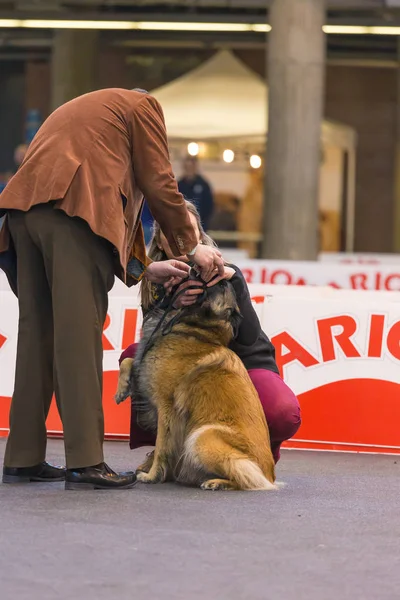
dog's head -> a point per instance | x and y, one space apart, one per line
219 304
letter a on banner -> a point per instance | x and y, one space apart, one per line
295 351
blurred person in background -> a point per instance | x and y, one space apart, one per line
4 179
19 154
72 223
195 188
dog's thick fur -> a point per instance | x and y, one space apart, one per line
211 429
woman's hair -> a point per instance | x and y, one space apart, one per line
156 253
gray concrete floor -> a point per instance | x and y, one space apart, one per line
332 533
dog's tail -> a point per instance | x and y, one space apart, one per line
248 475
209 448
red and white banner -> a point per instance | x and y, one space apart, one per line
338 350
352 277
361 258
342 359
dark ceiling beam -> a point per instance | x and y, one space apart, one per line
39 5
334 17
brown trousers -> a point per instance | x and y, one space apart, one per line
64 274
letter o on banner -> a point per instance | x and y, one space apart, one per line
281 277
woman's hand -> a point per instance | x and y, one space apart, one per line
193 290
189 297
228 274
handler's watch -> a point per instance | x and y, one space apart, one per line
193 252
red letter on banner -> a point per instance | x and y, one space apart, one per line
258 299
130 323
2 340
248 275
377 325
393 340
327 336
106 342
388 282
295 351
359 281
276 277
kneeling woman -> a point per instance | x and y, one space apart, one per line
253 347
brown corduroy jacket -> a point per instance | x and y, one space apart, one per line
96 157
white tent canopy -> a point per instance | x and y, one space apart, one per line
224 99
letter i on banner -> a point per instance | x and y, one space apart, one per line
376 329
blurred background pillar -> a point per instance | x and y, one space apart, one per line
73 66
296 67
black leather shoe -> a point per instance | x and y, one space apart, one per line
99 477
39 473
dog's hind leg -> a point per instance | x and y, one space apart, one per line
218 484
209 449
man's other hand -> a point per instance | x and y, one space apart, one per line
166 271
209 260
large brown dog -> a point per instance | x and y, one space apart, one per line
211 430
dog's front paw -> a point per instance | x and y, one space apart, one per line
148 463
147 478
157 474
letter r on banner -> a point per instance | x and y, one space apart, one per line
106 342
326 336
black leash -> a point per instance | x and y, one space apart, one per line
197 282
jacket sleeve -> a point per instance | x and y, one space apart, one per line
155 178
250 327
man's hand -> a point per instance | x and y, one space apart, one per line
209 260
167 271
